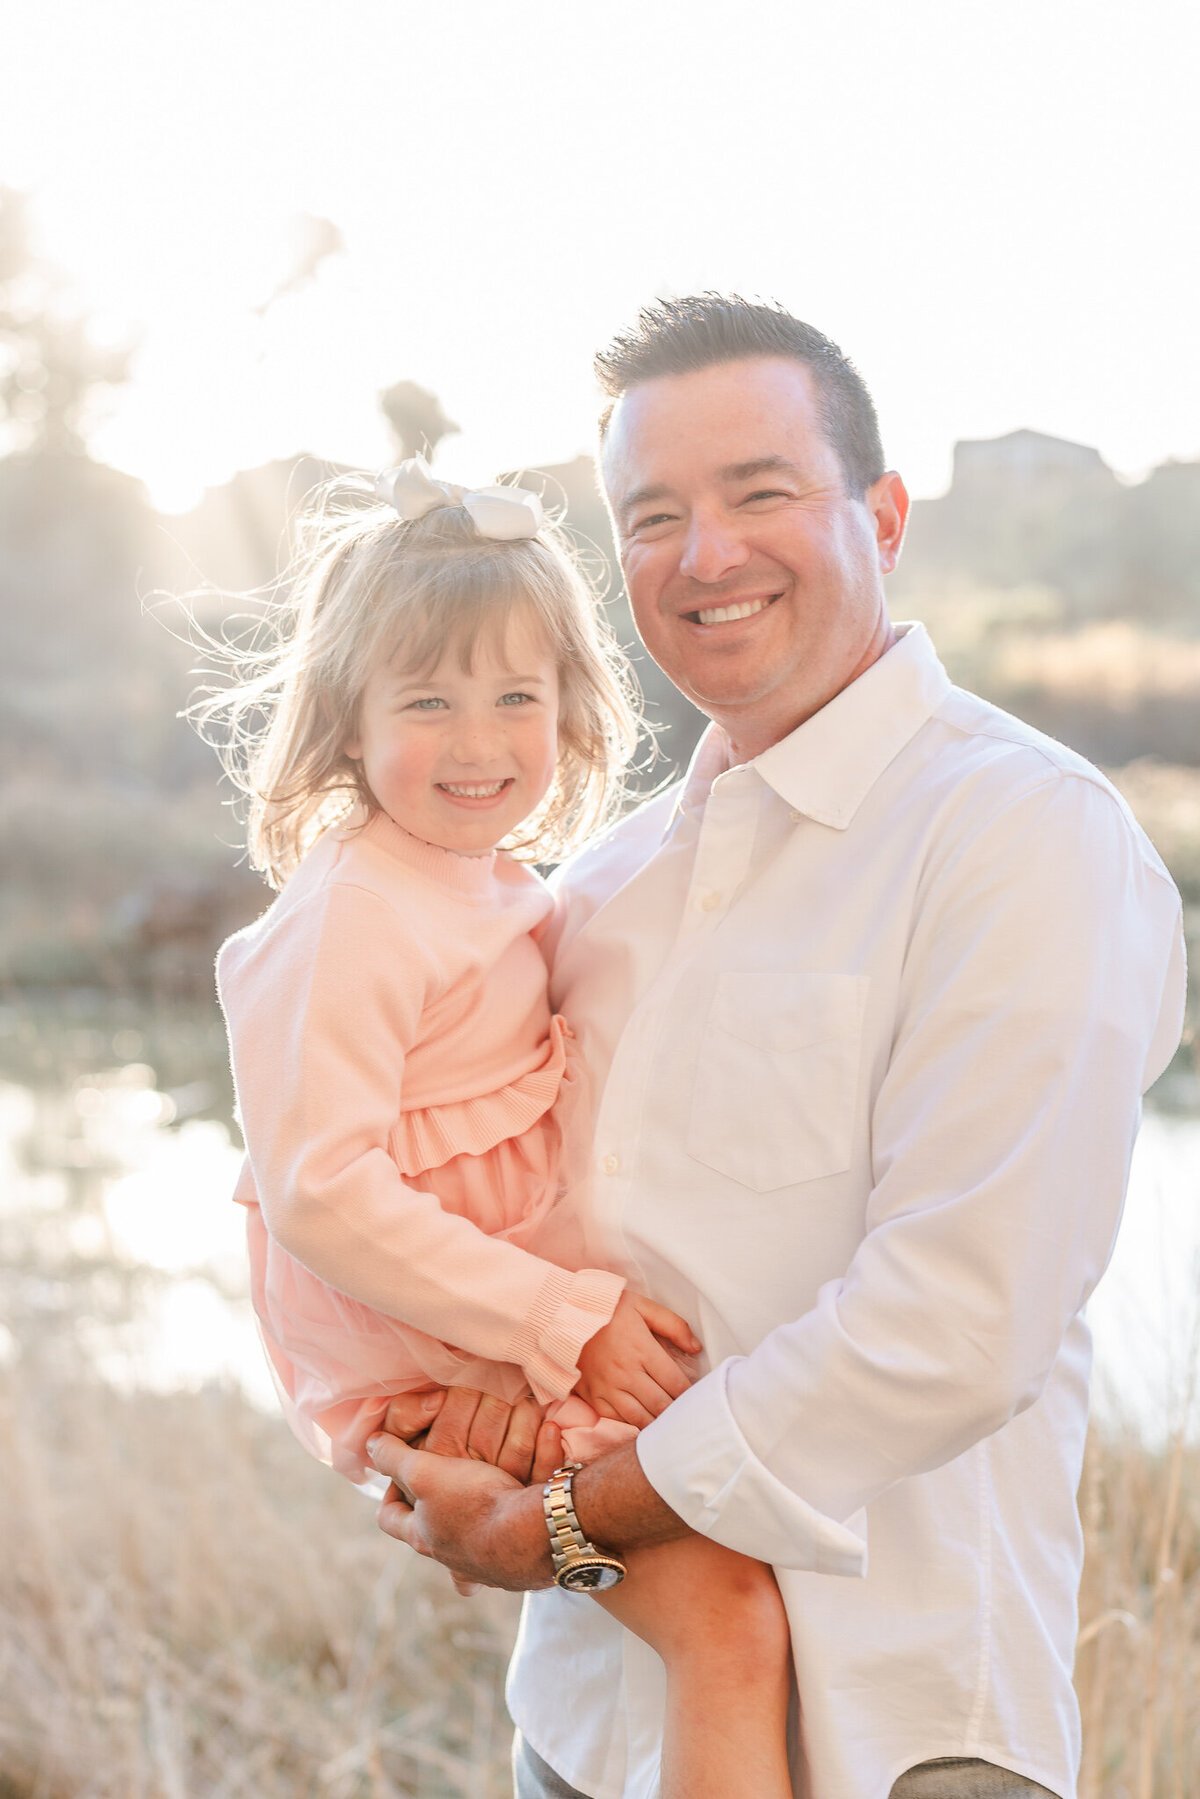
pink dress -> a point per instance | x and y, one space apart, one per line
405 1095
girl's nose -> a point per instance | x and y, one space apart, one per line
476 740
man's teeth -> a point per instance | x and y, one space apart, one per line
473 790
719 615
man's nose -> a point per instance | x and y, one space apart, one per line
712 548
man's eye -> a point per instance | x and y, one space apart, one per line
766 493
650 522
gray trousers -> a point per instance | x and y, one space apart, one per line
944 1779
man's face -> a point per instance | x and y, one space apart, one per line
753 575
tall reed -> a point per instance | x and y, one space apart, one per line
189 1609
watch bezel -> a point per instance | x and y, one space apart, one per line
585 1575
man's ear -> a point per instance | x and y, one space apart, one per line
888 501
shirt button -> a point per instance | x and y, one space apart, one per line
611 1164
710 901
795 816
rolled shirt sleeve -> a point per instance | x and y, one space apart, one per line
1042 992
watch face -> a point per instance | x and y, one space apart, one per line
592 1577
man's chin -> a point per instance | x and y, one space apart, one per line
729 698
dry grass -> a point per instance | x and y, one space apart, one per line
191 1608
1115 663
1138 1666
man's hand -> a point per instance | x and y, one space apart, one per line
476 1520
460 1422
624 1370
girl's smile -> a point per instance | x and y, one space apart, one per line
477 792
459 755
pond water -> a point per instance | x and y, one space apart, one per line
108 1173
1145 1314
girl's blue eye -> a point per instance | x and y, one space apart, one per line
515 699
427 705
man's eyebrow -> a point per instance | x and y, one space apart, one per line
761 465
642 496
734 471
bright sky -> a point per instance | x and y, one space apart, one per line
992 207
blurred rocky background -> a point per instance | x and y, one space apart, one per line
1050 586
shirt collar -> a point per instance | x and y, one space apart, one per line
710 758
826 767
829 764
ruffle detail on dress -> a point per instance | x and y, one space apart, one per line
430 1136
570 1309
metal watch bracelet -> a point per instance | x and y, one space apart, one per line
579 1566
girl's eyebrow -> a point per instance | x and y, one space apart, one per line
409 683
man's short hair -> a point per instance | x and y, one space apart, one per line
677 337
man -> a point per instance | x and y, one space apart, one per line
869 1000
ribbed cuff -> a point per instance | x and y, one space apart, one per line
567 1313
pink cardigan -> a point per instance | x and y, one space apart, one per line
396 1066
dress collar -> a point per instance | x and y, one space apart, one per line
826 767
465 874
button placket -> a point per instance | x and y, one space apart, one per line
723 849
725 834
619 1123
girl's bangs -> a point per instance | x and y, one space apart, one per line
455 607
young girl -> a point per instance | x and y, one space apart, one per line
441 707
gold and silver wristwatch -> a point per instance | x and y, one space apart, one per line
578 1565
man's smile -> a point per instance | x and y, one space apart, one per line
729 613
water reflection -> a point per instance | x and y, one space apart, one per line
119 1240
119 1228
172 1212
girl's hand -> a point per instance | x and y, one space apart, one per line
625 1372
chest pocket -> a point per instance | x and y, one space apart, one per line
777 1077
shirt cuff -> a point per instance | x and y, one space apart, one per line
567 1313
696 1458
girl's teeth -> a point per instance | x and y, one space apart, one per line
462 792
718 615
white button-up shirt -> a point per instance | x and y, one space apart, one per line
869 1018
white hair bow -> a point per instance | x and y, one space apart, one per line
502 513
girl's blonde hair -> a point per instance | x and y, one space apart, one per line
367 586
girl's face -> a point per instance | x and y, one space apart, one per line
460 759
